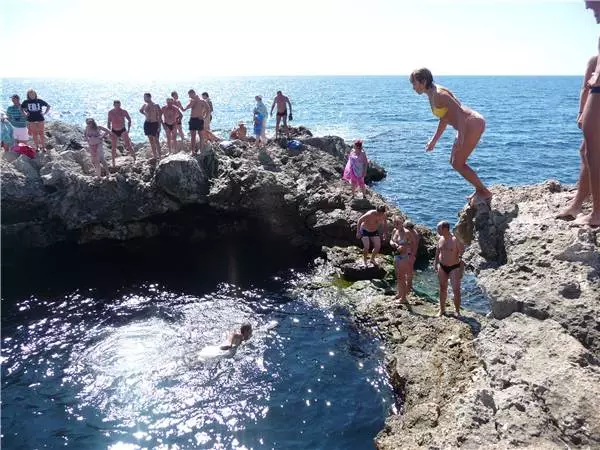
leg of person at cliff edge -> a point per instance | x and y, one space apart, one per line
583 184
468 123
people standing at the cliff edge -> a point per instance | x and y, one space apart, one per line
116 124
356 168
94 135
367 230
33 108
18 120
468 123
574 207
449 266
282 103
178 105
153 115
200 112
591 133
171 115
260 110
401 242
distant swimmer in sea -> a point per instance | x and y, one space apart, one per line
356 168
152 123
448 265
591 133
574 207
469 125
367 229
116 124
402 243
177 103
171 114
282 103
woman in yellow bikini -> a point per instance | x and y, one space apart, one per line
469 125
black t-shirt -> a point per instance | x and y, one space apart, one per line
34 108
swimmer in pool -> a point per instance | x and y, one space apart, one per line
237 337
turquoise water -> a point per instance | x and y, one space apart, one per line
531 133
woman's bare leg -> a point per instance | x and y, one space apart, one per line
591 134
583 188
458 159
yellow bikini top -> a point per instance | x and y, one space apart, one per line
441 112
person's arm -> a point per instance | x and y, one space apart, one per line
438 134
128 121
436 260
585 89
359 223
47 107
142 109
160 121
106 131
187 107
289 103
393 243
385 228
108 122
24 110
272 107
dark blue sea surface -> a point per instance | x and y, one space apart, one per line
531 133
114 355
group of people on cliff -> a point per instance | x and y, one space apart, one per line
25 119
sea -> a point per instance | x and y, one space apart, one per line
102 347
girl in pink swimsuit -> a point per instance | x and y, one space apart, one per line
356 168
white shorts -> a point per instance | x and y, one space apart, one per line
20 134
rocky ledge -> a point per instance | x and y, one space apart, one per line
296 195
526 376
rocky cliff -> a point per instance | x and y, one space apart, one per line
296 195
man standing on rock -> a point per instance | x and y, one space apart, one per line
281 101
199 115
367 229
448 265
171 115
153 115
116 125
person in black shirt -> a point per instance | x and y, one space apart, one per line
32 108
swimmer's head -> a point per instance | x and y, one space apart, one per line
381 209
443 227
421 79
409 225
246 331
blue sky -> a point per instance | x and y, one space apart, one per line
129 39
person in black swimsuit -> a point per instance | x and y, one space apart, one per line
448 255
367 230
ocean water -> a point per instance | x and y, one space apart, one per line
531 133
110 356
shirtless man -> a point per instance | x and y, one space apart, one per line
414 247
177 103
281 101
207 99
170 117
367 229
153 115
591 133
236 338
116 125
198 116
448 264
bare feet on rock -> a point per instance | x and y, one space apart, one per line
570 212
591 220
